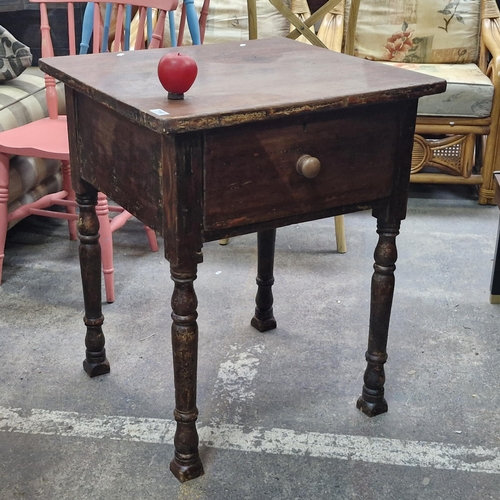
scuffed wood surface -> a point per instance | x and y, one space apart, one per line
281 78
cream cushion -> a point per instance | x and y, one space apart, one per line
469 92
227 21
418 31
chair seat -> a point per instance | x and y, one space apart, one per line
48 138
469 93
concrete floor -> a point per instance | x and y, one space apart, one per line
277 410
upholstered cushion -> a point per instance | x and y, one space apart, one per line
228 21
22 100
15 57
419 31
26 173
30 179
469 92
51 184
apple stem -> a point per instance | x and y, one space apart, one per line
174 96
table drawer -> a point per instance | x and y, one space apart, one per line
250 170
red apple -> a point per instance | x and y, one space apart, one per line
177 72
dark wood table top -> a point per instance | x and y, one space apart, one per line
237 83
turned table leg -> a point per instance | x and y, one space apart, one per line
372 401
263 319
95 362
186 464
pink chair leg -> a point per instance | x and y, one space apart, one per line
106 241
4 201
71 209
203 19
153 242
119 221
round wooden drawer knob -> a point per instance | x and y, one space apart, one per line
308 166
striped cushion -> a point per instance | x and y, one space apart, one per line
51 184
30 179
22 100
26 173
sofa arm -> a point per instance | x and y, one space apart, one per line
22 100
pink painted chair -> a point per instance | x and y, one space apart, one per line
48 137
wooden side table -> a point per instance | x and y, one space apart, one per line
272 133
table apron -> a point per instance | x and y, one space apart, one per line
250 174
242 177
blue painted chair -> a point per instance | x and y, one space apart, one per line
196 26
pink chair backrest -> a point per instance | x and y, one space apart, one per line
142 5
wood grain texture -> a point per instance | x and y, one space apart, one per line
238 83
257 181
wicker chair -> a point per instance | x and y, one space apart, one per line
456 140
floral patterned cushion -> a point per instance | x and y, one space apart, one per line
15 57
469 92
418 31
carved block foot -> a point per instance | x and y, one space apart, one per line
372 409
264 324
186 469
96 369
